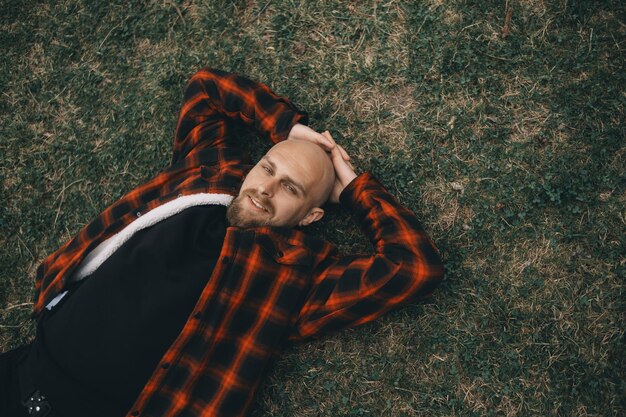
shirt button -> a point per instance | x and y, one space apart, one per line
179 195
138 214
165 365
279 254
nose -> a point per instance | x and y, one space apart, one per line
267 188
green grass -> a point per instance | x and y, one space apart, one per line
509 148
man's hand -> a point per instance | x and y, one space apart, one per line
344 172
302 132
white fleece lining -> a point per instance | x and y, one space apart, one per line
101 253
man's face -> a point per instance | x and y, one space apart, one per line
284 188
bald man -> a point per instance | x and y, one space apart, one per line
287 187
174 300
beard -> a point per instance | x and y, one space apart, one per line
238 216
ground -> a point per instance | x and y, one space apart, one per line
500 123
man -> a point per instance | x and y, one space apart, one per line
173 301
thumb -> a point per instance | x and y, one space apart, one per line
343 169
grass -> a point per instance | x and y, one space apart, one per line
505 136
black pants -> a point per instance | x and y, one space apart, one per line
29 370
10 395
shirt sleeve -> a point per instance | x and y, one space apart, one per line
353 290
216 101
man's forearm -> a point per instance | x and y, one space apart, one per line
215 99
356 289
396 234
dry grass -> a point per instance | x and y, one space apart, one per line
509 148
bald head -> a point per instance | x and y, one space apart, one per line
285 188
314 163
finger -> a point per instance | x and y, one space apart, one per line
320 139
347 163
344 154
343 169
325 141
300 131
335 157
328 137
336 154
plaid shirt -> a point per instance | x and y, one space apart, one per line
271 285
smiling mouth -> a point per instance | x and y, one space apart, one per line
257 204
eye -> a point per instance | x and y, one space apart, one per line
291 188
267 169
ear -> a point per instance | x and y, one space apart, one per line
313 216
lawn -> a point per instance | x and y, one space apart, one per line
500 123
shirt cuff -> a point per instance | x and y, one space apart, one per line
352 196
286 122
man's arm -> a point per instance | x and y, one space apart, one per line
353 290
215 101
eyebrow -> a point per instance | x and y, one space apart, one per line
289 179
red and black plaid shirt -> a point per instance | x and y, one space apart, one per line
270 285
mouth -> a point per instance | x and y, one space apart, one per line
257 205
